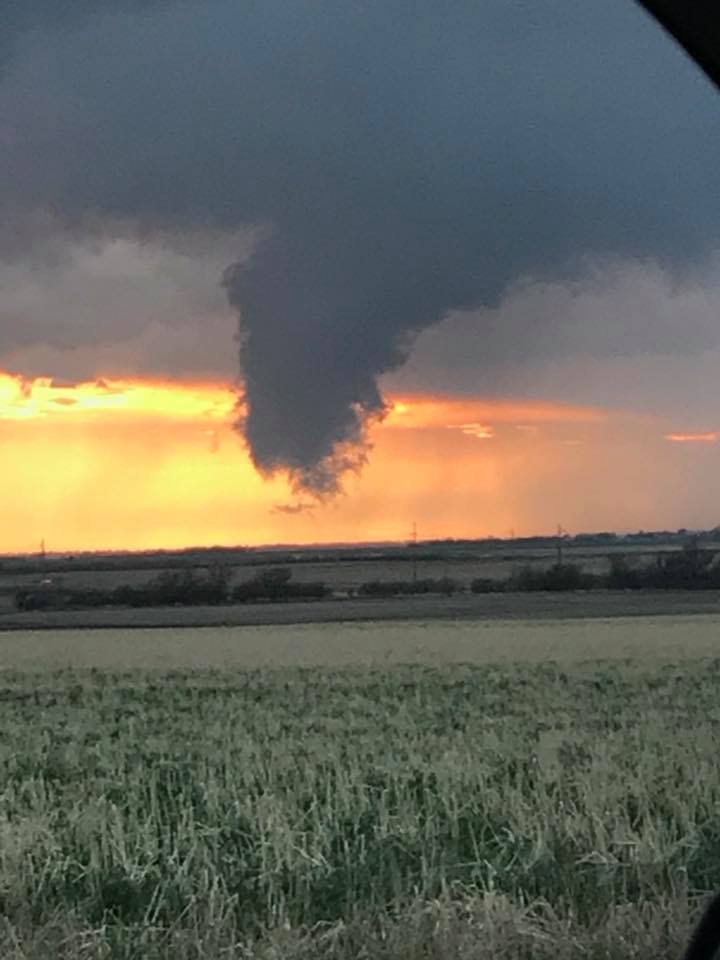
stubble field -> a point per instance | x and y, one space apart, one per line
499 793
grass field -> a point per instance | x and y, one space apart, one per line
556 807
335 645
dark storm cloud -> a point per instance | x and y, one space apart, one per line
20 16
625 334
401 159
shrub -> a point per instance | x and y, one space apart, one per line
487 585
691 568
560 576
622 576
275 584
396 588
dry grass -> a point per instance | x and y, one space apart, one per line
662 638
463 927
458 811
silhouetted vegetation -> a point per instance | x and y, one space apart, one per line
175 588
276 584
560 576
186 588
398 588
487 585
690 568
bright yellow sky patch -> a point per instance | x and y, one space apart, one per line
42 397
140 464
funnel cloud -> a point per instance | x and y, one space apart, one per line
395 162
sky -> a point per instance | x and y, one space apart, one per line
298 272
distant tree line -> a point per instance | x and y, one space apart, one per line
691 568
396 588
176 588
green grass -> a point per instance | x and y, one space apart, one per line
409 811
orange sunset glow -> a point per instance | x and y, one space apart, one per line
113 464
711 437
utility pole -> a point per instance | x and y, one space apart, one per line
560 535
413 544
